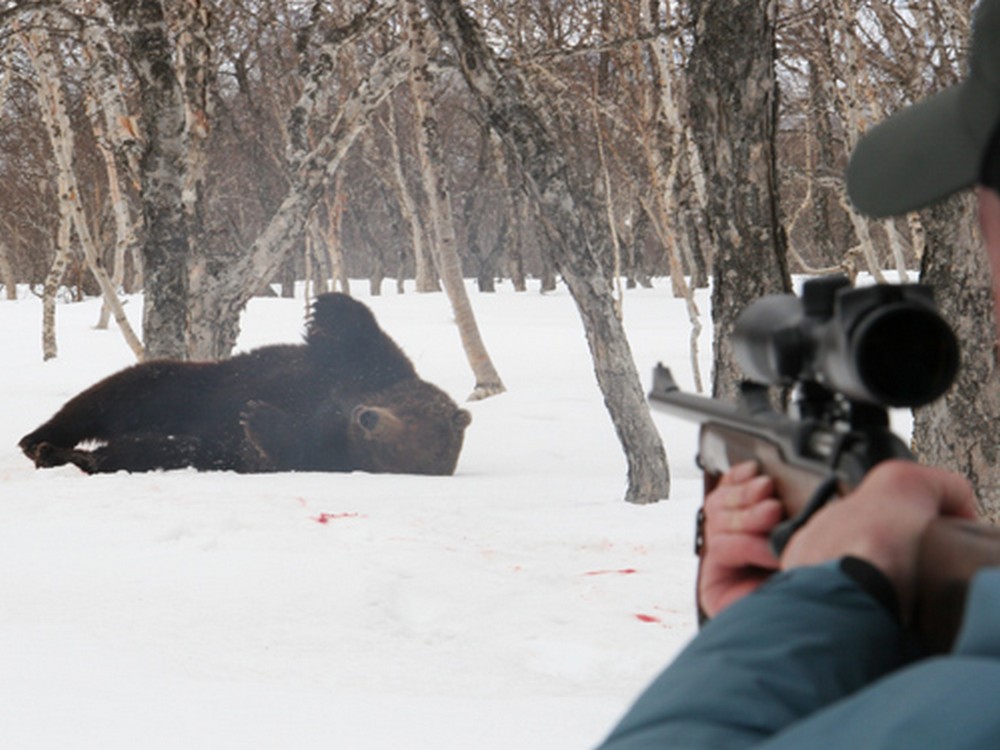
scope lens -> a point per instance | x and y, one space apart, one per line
907 355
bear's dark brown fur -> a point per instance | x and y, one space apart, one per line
347 399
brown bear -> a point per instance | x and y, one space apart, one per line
347 399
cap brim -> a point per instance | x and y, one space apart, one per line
915 158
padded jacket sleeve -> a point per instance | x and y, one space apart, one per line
944 702
804 640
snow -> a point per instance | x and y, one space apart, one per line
518 604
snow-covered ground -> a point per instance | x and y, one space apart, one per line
518 604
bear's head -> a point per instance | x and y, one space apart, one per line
412 427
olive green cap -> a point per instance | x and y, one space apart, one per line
927 152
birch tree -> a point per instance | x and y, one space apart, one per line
7 277
575 233
424 274
38 45
116 137
162 175
50 288
438 193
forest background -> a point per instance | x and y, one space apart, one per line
201 150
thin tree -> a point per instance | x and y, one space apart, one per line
7 278
38 45
425 279
575 231
117 141
438 193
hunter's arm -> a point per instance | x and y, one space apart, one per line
804 640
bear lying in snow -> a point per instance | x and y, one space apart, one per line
347 399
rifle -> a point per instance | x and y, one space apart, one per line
847 355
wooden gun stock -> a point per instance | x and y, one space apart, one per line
951 553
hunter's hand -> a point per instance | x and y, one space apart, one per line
882 521
739 514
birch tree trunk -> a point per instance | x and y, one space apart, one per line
839 24
193 72
7 273
332 237
663 147
166 249
574 231
514 208
438 193
425 277
50 289
665 151
38 46
732 69
115 131
206 256
115 137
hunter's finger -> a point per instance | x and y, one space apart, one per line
739 473
723 499
758 518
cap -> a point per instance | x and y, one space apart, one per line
927 152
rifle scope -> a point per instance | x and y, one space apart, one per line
885 344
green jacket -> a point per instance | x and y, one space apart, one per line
813 661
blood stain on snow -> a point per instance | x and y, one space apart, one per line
621 572
327 517
647 618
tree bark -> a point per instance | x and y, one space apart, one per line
57 124
438 193
575 233
116 140
7 277
732 69
663 148
957 431
425 278
332 238
166 248
50 289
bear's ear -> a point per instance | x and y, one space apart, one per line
462 419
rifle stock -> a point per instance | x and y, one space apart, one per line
802 455
951 553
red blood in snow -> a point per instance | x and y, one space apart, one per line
622 572
327 517
646 618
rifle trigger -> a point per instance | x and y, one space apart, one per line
782 533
